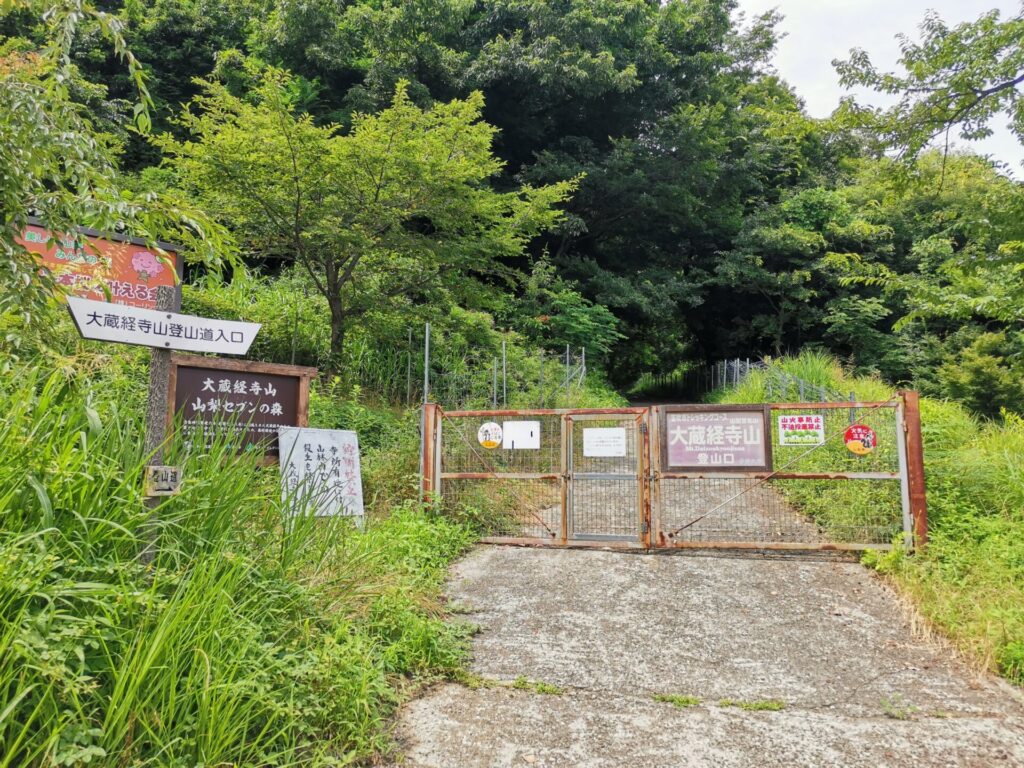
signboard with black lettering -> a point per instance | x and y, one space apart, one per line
716 438
123 324
210 395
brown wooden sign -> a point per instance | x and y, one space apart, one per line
209 394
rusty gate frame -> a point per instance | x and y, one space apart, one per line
653 470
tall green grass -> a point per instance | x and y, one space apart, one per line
253 639
969 581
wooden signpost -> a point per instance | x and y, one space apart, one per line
248 398
160 329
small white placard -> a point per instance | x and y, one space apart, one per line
320 470
520 435
802 429
604 441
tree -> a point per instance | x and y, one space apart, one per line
55 164
388 212
960 77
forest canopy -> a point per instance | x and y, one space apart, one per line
632 168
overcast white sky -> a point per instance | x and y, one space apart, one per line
818 31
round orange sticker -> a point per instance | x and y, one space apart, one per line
860 439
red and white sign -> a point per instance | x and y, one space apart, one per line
802 429
130 271
860 439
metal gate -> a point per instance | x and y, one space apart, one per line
774 476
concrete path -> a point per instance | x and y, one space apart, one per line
614 630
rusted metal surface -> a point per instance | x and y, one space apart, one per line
430 440
915 465
781 475
559 496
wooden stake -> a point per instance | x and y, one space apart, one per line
167 300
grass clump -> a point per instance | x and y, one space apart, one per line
537 686
677 700
254 638
757 705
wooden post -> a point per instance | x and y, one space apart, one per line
915 465
167 300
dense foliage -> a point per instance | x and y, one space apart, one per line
633 168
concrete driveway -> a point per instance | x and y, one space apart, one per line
783 662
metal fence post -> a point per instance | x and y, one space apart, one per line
494 383
853 411
504 375
566 385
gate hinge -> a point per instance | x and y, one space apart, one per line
643 427
645 527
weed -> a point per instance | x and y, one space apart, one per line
757 705
676 700
537 686
897 708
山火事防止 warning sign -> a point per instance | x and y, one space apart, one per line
320 471
801 429
721 438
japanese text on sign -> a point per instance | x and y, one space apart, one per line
146 327
250 403
720 439
320 471
802 429
131 272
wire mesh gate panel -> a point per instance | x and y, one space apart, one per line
856 501
784 477
606 466
547 488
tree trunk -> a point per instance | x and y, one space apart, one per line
337 307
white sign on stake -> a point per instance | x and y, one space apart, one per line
320 470
604 442
103 321
520 435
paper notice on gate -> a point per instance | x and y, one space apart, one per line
604 442
520 435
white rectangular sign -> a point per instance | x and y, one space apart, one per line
320 470
520 435
604 442
124 324
802 429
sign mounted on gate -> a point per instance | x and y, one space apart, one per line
604 442
716 438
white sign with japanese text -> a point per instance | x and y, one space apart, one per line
802 429
604 442
320 470
103 321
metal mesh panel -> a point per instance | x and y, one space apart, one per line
509 507
833 456
461 452
733 510
604 494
